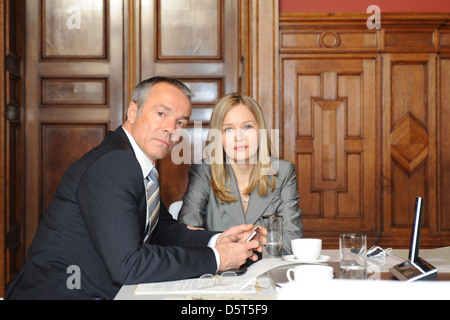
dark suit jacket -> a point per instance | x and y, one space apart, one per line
202 209
96 222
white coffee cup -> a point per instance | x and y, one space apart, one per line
309 272
306 249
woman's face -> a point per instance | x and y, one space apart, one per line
240 135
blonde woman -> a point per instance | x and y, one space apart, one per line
239 181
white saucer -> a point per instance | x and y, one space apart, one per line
322 259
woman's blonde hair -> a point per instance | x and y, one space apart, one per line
217 157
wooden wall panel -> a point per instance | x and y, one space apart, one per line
444 145
74 80
444 39
334 153
234 49
323 40
202 53
406 75
62 22
74 92
197 26
69 141
405 40
409 146
14 202
11 142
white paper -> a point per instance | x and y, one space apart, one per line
190 286
244 283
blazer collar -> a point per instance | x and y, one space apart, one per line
256 206
144 162
121 132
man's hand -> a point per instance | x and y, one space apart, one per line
233 248
241 233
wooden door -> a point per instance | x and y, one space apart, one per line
11 141
198 43
73 90
409 144
329 131
443 205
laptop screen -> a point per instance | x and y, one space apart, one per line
415 233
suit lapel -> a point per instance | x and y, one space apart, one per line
234 209
120 131
142 215
257 204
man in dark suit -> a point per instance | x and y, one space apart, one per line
90 241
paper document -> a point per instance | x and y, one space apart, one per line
241 284
190 286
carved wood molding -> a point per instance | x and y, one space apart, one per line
349 32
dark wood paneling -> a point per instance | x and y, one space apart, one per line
74 30
11 141
74 92
333 100
63 144
75 75
190 30
395 134
203 54
444 146
409 145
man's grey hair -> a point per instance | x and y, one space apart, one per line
140 93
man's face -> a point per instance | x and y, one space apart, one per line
158 127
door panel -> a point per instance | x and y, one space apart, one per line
11 142
74 90
74 30
409 145
197 31
329 116
201 49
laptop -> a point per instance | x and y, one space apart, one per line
415 268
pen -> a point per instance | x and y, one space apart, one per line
253 234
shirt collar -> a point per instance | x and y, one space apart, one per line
145 163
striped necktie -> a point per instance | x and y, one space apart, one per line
152 194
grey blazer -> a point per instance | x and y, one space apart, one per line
202 209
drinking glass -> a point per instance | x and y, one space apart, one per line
274 246
353 248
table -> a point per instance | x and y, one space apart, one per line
268 283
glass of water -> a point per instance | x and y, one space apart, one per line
353 251
274 246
